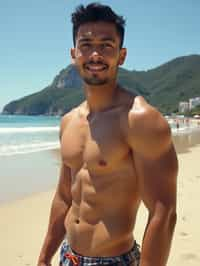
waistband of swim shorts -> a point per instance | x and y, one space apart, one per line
131 256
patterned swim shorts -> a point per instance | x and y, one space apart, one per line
68 257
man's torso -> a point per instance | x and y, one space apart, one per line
105 195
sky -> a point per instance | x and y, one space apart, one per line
36 37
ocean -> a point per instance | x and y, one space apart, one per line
182 125
21 134
29 161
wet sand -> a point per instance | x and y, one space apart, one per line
23 222
25 174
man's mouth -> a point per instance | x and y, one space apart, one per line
96 67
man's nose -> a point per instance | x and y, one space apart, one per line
96 54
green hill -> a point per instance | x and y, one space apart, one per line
163 86
170 83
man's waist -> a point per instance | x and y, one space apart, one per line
125 258
90 243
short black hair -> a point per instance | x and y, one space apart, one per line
95 12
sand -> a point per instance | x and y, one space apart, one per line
23 222
24 174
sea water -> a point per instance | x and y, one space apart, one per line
185 125
21 134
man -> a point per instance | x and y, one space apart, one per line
116 152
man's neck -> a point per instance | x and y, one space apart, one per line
100 97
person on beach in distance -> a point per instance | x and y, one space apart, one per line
116 152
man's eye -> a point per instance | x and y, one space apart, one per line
85 45
107 45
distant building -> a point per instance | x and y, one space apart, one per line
187 106
183 107
193 102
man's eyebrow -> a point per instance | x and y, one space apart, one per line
85 39
104 39
108 39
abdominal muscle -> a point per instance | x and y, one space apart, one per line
102 216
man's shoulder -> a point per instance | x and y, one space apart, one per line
148 129
142 113
66 118
71 114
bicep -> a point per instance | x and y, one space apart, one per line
157 178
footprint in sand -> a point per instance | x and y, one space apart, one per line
189 256
184 218
183 234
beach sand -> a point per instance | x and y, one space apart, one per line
25 174
23 223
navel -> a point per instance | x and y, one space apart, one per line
102 162
77 221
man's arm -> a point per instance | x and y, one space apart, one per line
60 206
156 168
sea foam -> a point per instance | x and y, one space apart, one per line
28 129
23 148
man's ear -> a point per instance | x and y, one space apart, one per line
122 56
72 55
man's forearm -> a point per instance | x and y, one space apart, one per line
56 230
157 240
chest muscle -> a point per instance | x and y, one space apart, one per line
94 146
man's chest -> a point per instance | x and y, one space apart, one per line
95 145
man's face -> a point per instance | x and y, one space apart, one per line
97 54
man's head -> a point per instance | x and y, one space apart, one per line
95 12
98 37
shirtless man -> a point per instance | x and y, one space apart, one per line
116 152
